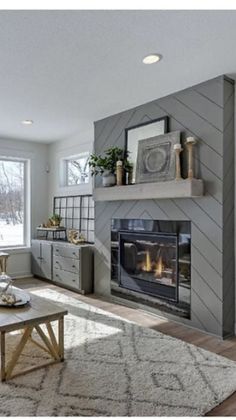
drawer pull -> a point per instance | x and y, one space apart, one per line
73 266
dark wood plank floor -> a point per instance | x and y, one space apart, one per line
226 348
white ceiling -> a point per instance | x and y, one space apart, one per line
66 69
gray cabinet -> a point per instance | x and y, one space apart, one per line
41 258
73 266
65 264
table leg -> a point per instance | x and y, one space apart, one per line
18 351
61 338
3 345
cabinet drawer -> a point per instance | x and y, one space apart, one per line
66 264
66 278
66 251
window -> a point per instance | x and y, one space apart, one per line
12 203
77 170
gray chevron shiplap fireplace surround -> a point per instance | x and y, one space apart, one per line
205 111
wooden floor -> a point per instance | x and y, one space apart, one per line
226 348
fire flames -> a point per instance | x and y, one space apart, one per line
159 267
156 267
148 263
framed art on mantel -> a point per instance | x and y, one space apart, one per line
139 132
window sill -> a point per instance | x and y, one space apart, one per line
16 250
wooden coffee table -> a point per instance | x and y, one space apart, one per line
27 319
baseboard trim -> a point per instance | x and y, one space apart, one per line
16 276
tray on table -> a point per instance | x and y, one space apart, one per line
22 297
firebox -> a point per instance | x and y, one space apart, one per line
148 263
151 263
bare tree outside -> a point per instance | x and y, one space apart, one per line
11 202
78 170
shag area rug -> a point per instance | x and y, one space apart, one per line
116 368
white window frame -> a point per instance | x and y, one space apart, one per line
27 203
65 169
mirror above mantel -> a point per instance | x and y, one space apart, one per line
141 132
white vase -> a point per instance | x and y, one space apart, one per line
108 179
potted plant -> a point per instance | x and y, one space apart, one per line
106 165
55 219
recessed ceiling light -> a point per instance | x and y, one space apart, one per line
152 58
27 122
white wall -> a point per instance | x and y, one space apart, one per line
82 142
19 261
44 185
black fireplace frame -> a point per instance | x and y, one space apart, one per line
144 286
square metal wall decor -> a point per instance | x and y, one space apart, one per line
77 212
156 158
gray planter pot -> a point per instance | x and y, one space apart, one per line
108 179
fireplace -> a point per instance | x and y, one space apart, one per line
148 263
151 263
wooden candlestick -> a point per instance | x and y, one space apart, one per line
190 141
178 149
119 172
3 262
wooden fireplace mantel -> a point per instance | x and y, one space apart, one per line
156 190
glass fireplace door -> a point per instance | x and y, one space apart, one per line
148 263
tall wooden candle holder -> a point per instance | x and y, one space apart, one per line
119 172
178 149
3 262
190 142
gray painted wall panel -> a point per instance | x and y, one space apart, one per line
197 103
211 91
202 221
208 274
228 210
196 111
193 123
210 206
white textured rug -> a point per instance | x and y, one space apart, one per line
116 368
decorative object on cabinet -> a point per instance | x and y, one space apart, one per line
77 213
55 219
156 158
141 132
53 222
75 237
54 231
106 165
190 142
178 149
